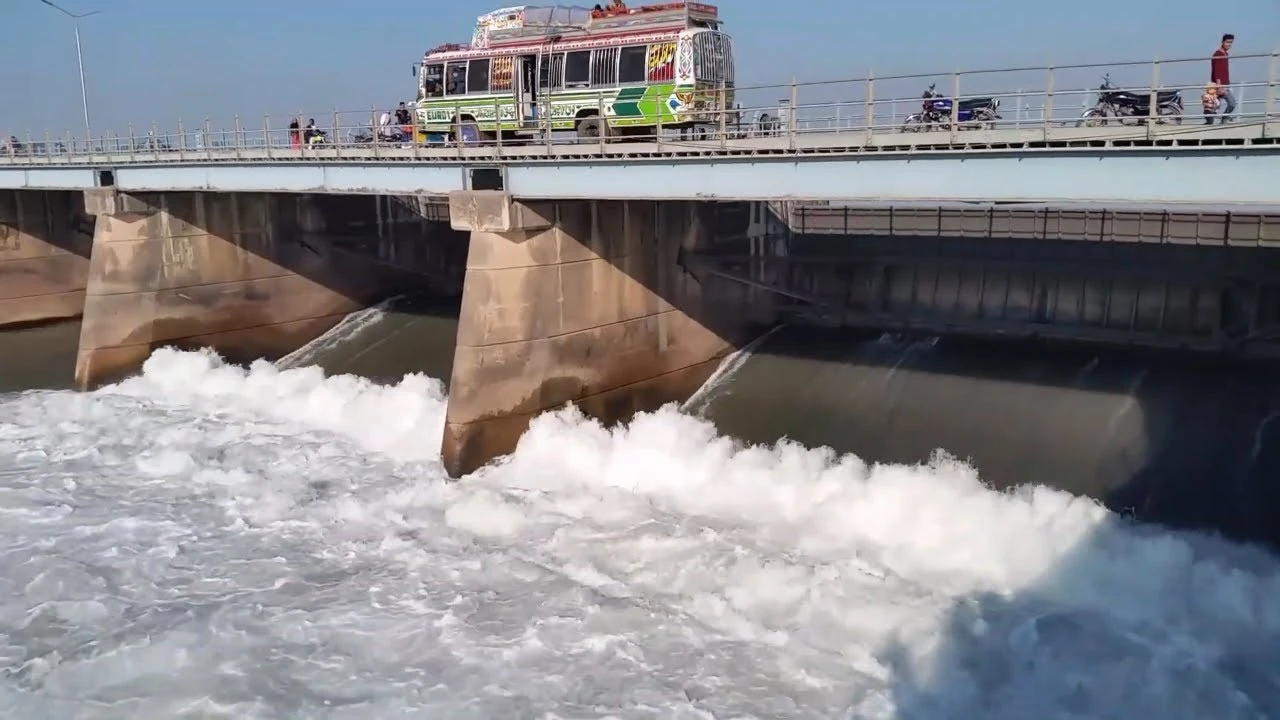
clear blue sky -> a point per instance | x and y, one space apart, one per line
163 59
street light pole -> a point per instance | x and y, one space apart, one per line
84 93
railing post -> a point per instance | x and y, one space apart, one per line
457 133
208 140
266 133
792 119
724 115
376 130
237 137
414 135
604 123
546 118
497 127
1047 113
303 145
657 128
1153 110
132 143
182 142
869 100
1273 69
337 134
955 106
48 147
71 143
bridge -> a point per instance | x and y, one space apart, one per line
1040 150
615 272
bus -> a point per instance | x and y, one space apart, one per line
611 72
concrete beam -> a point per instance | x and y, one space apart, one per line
44 256
495 211
249 275
593 309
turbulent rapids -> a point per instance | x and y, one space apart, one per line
209 541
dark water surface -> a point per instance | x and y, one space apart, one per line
39 356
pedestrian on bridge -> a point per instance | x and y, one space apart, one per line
1209 101
1220 74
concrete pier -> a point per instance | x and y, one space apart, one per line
576 301
250 275
44 255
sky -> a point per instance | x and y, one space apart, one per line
163 60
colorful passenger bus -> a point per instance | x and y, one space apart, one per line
618 71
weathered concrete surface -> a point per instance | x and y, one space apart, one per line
581 302
250 275
44 256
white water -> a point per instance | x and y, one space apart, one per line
351 327
210 542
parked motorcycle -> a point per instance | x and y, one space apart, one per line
971 114
1131 107
393 135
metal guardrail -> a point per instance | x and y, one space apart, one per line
877 113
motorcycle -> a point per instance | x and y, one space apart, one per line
1131 107
972 113
394 135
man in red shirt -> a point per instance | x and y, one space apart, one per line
1220 74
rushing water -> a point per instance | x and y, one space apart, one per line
206 541
1178 440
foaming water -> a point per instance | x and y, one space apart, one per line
401 336
347 331
1168 439
215 542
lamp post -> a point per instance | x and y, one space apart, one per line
84 95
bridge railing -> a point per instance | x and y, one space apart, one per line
867 110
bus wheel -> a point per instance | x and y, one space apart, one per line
592 127
465 131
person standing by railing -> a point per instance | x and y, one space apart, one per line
1220 74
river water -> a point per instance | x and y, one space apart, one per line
204 541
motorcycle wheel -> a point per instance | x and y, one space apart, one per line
913 123
1093 117
1174 114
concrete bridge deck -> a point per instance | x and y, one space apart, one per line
1233 164
832 140
798 143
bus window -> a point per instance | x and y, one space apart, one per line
713 57
502 67
577 69
433 81
551 72
631 67
455 78
604 67
478 76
